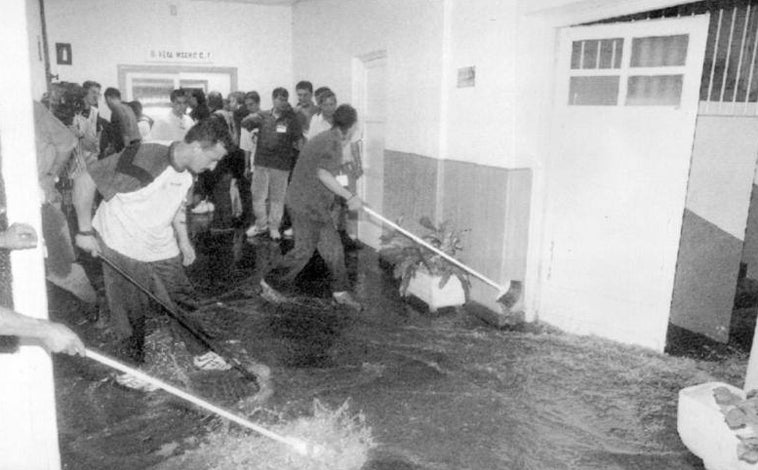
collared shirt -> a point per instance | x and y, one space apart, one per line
317 126
305 113
277 138
172 128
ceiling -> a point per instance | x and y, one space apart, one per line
255 2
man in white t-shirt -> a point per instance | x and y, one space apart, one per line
141 227
175 125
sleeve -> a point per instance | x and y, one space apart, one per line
246 140
329 155
55 132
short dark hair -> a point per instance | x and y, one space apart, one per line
177 93
215 100
90 84
237 97
324 95
112 93
344 117
304 85
252 95
209 132
279 91
320 90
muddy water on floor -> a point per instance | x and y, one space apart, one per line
448 392
441 391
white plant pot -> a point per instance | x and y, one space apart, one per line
703 430
426 287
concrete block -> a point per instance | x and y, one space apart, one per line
702 428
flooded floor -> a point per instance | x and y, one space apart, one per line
439 391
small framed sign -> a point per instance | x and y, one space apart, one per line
466 77
63 53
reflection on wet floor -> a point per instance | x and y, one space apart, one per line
440 391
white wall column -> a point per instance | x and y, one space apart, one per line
28 436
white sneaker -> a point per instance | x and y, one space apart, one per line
271 294
203 207
211 361
274 234
346 299
289 233
254 231
135 383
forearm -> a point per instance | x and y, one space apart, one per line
332 184
15 324
180 225
83 199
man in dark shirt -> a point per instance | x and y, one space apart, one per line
309 199
280 135
123 121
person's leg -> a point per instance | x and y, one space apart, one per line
277 193
260 193
127 303
306 238
330 248
170 284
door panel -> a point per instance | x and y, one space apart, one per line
373 89
627 98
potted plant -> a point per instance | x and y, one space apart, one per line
423 273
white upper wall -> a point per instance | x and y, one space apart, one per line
329 34
481 119
103 34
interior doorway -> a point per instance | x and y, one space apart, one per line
370 97
152 84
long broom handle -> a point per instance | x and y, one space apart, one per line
180 318
302 447
423 242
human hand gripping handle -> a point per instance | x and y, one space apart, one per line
87 241
59 338
354 203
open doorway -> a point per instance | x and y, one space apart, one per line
152 84
715 298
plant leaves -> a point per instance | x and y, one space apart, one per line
444 277
747 453
725 397
426 222
735 418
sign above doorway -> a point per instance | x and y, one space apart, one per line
179 56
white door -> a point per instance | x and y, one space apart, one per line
370 93
626 104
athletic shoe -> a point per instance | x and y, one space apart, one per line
289 233
211 361
275 235
135 383
271 294
254 231
344 298
203 207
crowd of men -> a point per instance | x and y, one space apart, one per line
132 180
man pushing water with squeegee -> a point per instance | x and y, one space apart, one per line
140 232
